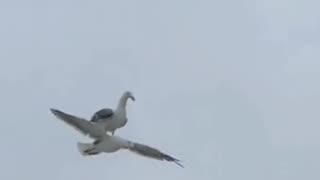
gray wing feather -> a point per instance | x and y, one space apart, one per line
102 114
80 124
151 152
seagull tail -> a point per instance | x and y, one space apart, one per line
86 149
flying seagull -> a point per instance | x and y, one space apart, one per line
113 119
106 143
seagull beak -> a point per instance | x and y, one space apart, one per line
132 98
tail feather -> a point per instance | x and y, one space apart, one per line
86 149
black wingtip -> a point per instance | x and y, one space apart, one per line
54 111
172 159
57 112
179 164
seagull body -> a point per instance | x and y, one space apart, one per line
113 119
106 143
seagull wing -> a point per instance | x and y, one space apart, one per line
102 114
80 124
151 152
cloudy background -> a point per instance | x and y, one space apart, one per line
229 87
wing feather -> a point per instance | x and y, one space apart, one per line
151 152
102 114
80 124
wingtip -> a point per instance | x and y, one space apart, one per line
175 160
178 162
56 112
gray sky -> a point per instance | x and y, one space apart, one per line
229 87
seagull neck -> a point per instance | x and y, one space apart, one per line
122 104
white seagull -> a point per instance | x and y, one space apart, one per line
106 143
113 119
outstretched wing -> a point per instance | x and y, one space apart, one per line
80 124
151 152
102 114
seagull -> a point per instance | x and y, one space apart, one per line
113 119
104 142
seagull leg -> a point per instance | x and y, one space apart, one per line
88 150
91 151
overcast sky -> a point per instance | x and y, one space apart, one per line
230 87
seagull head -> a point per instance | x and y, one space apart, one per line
128 95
